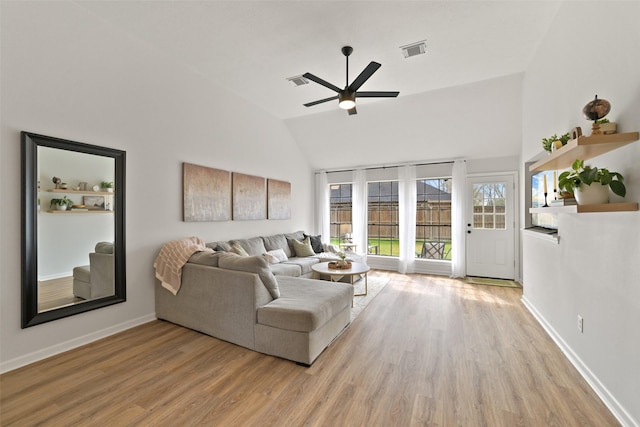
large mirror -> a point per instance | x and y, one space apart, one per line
73 232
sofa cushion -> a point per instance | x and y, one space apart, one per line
302 248
286 269
252 264
305 304
304 263
316 243
253 246
277 241
205 258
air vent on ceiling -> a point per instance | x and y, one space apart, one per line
298 80
413 49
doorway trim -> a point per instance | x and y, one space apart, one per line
516 215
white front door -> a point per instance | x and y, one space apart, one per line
490 227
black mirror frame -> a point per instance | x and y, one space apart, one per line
30 143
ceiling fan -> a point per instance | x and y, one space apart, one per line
347 97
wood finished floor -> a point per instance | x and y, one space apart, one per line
427 351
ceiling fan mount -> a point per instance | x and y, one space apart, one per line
347 97
347 50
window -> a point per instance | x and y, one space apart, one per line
382 213
489 206
340 212
433 218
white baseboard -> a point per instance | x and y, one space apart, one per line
436 267
607 398
27 359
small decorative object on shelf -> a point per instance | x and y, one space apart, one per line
568 201
596 110
607 127
576 132
555 142
107 186
56 181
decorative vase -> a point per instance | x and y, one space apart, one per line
61 207
594 194
556 145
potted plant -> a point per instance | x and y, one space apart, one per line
580 178
554 141
607 127
61 204
107 186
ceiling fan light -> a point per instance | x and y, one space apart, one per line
347 101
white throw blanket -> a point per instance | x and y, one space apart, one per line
172 257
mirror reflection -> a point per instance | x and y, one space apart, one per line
73 234
75 227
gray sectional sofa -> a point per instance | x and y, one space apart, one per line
252 301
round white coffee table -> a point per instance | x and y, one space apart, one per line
357 268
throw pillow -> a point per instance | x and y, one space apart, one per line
303 249
279 255
316 243
252 264
237 249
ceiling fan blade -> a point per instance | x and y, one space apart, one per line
377 94
310 104
364 76
321 82
352 111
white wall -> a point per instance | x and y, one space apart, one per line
592 48
68 75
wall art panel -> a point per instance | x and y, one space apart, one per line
249 197
206 193
278 199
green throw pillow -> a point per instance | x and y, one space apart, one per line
303 248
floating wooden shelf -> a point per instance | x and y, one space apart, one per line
78 211
87 192
583 148
607 207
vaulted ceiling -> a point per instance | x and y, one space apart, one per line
251 47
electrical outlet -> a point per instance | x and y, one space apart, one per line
580 324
